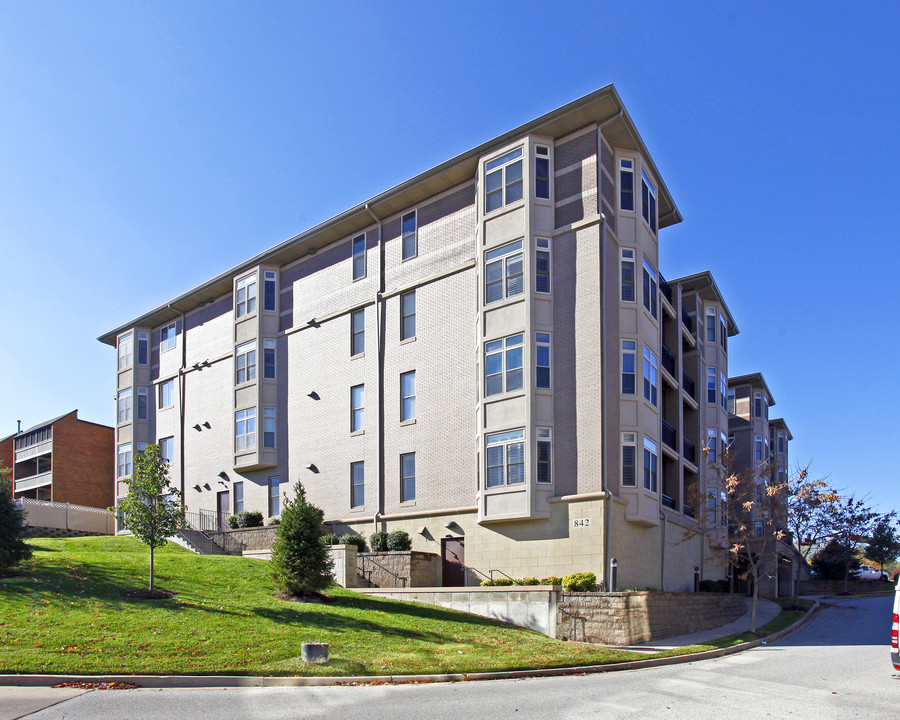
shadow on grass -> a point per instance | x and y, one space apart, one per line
367 603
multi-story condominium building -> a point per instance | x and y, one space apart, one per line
759 449
485 356
64 460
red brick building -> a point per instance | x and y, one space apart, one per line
62 460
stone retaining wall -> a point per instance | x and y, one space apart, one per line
258 538
634 617
398 569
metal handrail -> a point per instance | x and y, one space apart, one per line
501 572
365 558
200 522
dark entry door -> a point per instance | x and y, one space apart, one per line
223 509
454 559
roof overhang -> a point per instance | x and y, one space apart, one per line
705 286
755 380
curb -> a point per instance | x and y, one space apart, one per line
241 681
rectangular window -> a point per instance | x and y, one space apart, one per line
650 368
542 172
629 351
711 516
542 369
711 438
723 390
766 407
167 394
245 297
269 427
245 362
142 404
503 365
408 224
650 465
269 290
408 396
167 448
710 385
123 460
123 406
143 348
357 484
626 184
627 275
408 315
544 455
357 332
710 325
167 338
648 206
758 447
359 256
650 288
723 333
503 272
757 405
238 496
629 460
781 442
503 180
357 408
245 430
269 359
126 350
505 458
730 402
274 496
408 477
542 265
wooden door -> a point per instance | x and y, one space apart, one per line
223 509
453 562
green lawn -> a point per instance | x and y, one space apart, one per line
69 614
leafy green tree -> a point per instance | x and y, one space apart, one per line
835 560
884 546
854 519
153 510
301 564
13 548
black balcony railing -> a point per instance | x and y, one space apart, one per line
668 361
688 382
665 289
668 502
686 319
689 451
668 434
688 510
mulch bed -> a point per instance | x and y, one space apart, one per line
97 685
310 597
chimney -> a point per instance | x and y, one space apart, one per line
18 427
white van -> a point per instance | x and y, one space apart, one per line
895 627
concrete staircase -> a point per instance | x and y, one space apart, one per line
197 542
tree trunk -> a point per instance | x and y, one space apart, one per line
151 567
753 605
796 575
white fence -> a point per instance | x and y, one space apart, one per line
68 517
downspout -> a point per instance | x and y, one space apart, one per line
662 554
379 335
182 384
604 461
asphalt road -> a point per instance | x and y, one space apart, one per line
837 667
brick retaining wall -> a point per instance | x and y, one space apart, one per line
634 617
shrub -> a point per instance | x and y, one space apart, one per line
378 541
232 521
13 548
504 581
353 539
399 540
245 519
330 539
528 581
834 560
552 580
714 586
275 520
579 582
301 564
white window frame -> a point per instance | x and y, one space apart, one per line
648 201
245 296
712 436
167 335
409 235
626 195
503 266
651 465
758 448
543 360
269 415
629 358
124 406
143 404
125 349
627 290
710 384
408 315
629 440
273 485
245 363
167 394
357 484
723 390
731 402
407 478
511 445
723 332
650 288
143 348
357 408
544 455
269 360
542 161
358 332
358 256
710 325
543 267
504 179
245 430
757 404
167 448
270 282
238 497
510 351
408 396
651 377
124 460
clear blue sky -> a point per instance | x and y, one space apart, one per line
147 146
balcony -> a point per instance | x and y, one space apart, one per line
688 511
689 451
34 481
668 361
668 434
688 382
688 322
668 502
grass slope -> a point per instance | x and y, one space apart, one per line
69 614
